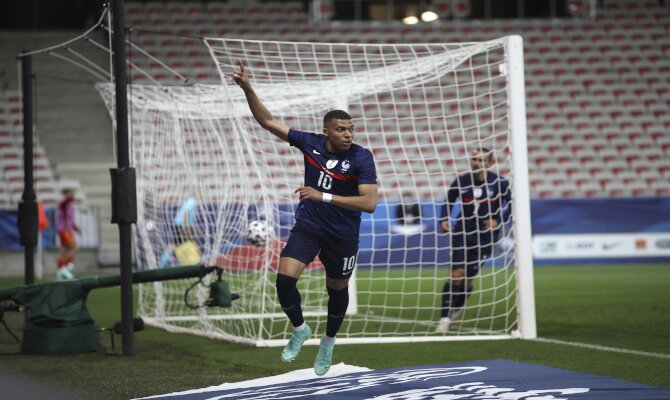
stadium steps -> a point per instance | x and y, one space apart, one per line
603 81
95 183
71 119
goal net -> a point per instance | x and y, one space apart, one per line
419 108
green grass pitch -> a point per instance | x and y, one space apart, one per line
623 306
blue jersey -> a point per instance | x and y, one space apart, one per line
334 173
480 201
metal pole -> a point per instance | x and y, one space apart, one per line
488 10
123 162
28 208
552 9
520 188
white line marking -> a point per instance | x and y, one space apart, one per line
603 348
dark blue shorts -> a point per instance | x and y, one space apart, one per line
338 255
468 255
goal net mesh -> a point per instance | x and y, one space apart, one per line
419 108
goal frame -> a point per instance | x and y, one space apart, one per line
513 70
516 93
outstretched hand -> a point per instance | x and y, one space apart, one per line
241 78
309 193
490 224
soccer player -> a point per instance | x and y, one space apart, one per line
66 227
340 182
485 199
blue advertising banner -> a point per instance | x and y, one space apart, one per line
386 240
601 230
557 216
486 379
9 232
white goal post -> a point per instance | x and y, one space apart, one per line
420 108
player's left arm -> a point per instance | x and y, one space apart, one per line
505 204
506 201
365 201
452 195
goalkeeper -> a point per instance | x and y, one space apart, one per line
340 182
485 200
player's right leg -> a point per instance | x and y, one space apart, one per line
71 254
300 250
62 236
453 289
289 298
339 259
66 255
465 266
453 297
338 301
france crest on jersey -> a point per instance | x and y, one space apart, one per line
334 173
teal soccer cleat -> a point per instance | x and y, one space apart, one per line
324 358
294 345
64 274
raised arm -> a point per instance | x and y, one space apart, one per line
258 109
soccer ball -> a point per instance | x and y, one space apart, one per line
258 233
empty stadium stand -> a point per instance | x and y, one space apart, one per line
598 91
11 158
72 123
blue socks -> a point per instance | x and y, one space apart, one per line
338 301
289 298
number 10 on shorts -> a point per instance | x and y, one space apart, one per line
349 264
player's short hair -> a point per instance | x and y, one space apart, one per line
486 152
335 114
